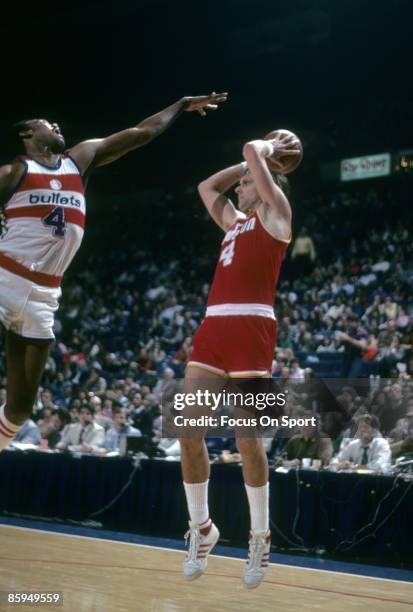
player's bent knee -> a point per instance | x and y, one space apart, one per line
191 445
249 446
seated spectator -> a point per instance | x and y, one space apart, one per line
120 429
84 436
296 373
44 420
310 442
367 450
395 407
355 345
95 383
333 427
402 437
166 386
60 419
28 434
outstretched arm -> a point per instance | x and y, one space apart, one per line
99 152
212 192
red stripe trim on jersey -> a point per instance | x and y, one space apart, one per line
69 182
8 430
47 280
71 215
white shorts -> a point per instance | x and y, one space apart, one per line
27 309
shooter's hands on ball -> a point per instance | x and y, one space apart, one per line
284 144
203 103
274 148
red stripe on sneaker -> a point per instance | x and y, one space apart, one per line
6 433
7 428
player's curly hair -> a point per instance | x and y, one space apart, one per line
14 141
13 146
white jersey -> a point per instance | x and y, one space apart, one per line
45 220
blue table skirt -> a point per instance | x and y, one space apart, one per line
308 509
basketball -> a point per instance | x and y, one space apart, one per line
287 163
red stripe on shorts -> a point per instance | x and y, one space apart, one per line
47 280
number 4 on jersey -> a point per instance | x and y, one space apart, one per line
56 219
227 255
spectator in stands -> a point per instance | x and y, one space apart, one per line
120 429
95 383
296 373
28 434
84 436
60 419
46 400
333 427
395 408
303 254
166 387
142 415
402 437
367 450
354 346
310 442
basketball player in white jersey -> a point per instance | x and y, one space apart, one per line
43 208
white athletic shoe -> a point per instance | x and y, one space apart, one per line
258 556
201 542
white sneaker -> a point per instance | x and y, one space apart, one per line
201 542
258 556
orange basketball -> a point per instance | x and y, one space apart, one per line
286 163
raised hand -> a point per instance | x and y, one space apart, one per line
285 144
201 104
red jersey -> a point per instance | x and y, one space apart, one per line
247 272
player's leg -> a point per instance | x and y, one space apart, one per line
26 360
255 472
203 534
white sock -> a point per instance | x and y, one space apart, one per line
259 501
197 500
7 430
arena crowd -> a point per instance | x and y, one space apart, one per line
344 310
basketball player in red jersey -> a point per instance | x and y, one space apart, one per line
42 200
237 337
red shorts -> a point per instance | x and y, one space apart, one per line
235 345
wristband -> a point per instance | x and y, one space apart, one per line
244 167
271 150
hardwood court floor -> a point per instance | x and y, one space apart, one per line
105 576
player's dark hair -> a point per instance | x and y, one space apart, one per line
14 142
